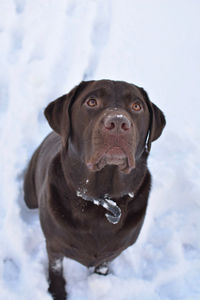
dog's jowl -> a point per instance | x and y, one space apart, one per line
89 177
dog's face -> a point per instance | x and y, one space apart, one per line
109 125
106 123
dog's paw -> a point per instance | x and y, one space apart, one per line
102 269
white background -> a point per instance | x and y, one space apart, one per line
48 46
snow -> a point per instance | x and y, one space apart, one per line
131 195
58 265
96 202
47 47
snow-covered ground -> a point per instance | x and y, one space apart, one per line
46 47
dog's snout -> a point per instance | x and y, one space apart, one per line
117 123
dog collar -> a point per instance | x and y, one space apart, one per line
114 210
112 207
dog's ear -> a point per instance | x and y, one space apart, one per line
157 120
57 112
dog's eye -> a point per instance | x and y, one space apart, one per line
136 106
91 102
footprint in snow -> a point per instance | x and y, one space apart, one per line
99 37
11 271
19 6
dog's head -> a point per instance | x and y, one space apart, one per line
106 123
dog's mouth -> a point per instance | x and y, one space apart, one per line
116 155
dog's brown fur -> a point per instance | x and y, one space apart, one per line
93 153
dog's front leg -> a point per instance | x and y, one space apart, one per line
56 279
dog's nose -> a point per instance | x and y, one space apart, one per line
117 123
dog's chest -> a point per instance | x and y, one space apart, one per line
98 241
91 250
86 235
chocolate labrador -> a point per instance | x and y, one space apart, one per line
89 177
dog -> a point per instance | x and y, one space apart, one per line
89 177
